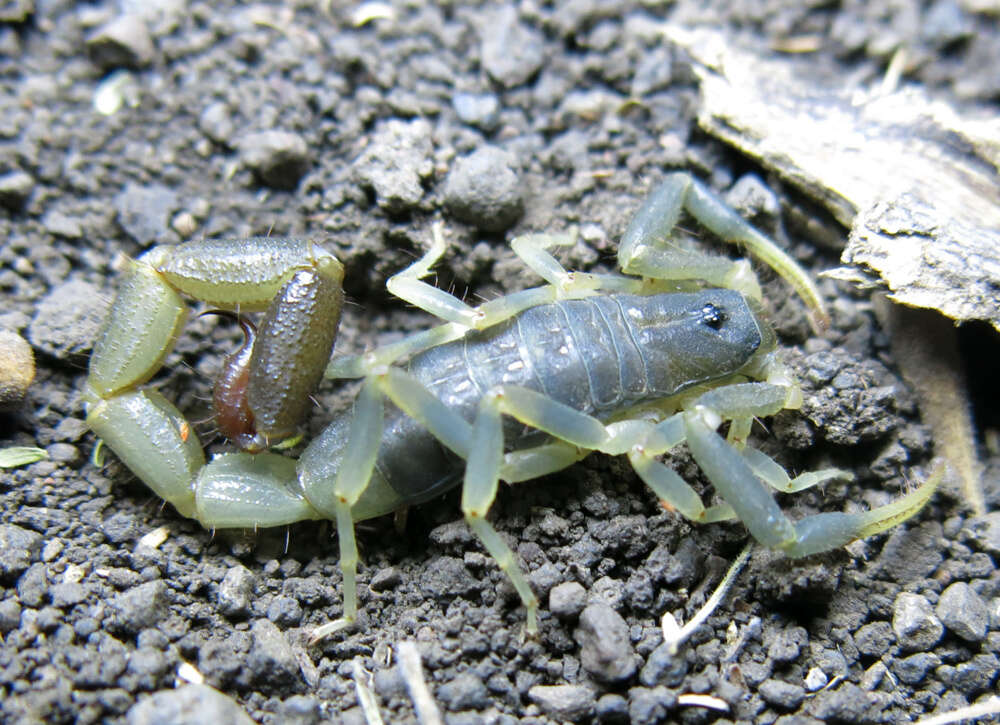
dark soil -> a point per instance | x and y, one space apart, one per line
286 119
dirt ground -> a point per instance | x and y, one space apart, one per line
361 125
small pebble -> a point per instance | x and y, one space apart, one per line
481 110
396 162
612 708
781 694
15 188
279 158
512 52
916 627
386 579
816 679
141 607
236 591
17 369
484 189
563 702
605 648
68 320
567 599
912 670
188 704
18 548
124 42
663 667
963 612
144 211
465 692
874 639
271 658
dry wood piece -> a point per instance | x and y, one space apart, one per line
916 183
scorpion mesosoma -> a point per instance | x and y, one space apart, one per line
627 364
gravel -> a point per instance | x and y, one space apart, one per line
914 622
236 120
963 612
605 649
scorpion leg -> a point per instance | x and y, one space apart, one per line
408 285
750 498
353 477
646 248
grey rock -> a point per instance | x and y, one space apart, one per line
567 599
10 615
484 189
512 52
285 611
216 122
62 225
663 667
752 198
465 692
271 658
64 453
16 11
119 528
144 212
912 552
543 578
278 158
67 594
33 585
68 319
301 710
781 694
654 72
385 579
963 612
986 533
188 705
649 706
874 639
141 607
607 591
481 110
395 164
639 591
847 703
389 683
971 677
236 591
18 547
912 670
146 668
15 188
786 645
946 23
124 42
612 708
605 649
916 627
446 577
563 702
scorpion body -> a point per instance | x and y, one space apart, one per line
630 364
601 356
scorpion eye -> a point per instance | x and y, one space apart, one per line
712 316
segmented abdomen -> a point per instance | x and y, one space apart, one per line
597 355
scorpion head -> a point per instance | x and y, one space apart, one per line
693 338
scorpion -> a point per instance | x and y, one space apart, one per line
633 363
